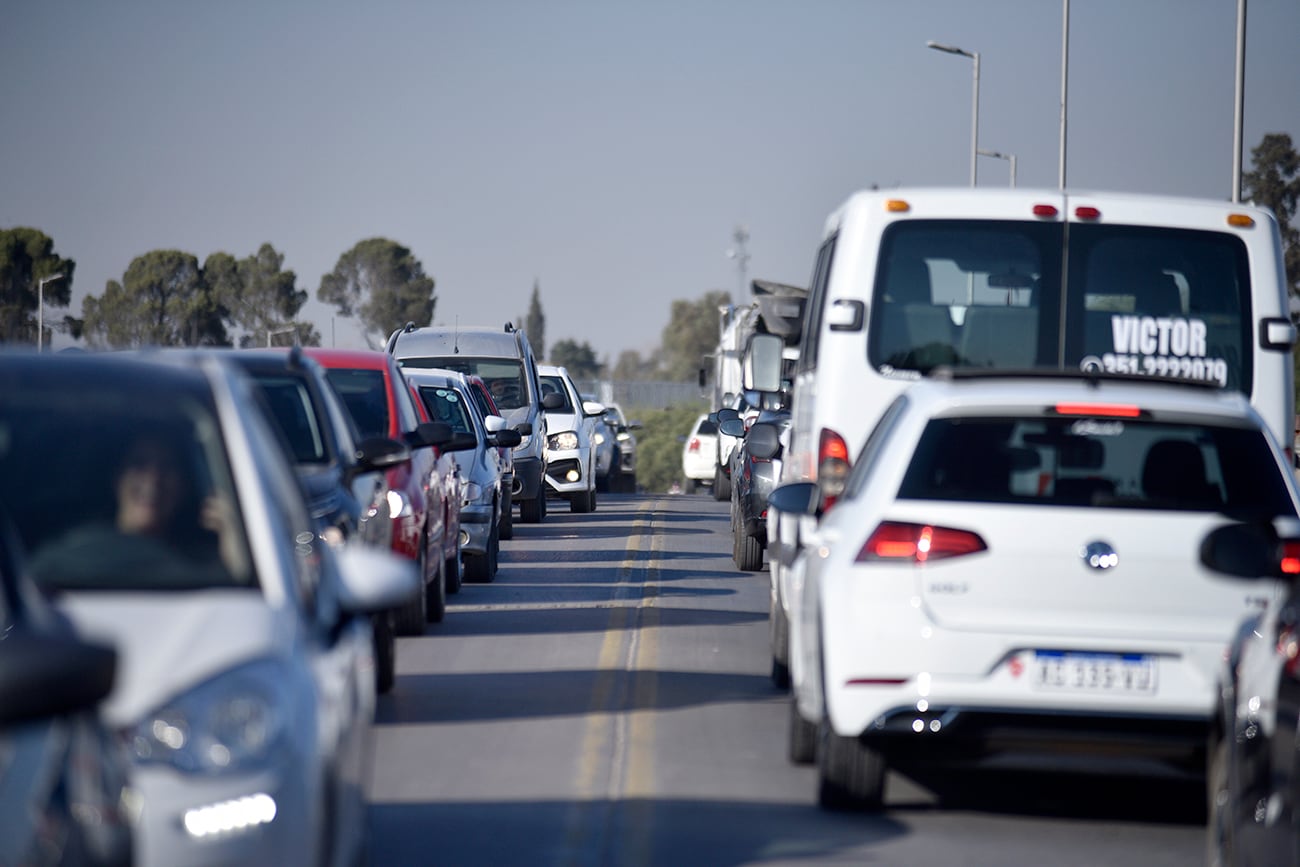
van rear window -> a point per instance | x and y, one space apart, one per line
1098 462
986 293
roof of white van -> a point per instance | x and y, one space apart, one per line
1018 203
439 342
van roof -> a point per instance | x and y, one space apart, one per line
1018 203
477 342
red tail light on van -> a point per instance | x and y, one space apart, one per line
832 465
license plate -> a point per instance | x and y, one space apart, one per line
1094 672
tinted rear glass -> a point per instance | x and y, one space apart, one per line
291 407
504 377
1101 462
447 405
366 398
707 427
987 293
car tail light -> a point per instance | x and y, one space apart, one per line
1107 410
832 466
894 540
693 445
1087 212
1291 558
1045 210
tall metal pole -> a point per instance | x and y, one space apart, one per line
975 122
741 254
1065 73
1239 109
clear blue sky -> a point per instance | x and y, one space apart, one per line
607 149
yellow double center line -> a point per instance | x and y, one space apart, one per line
615 773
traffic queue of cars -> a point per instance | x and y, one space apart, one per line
1035 445
232 542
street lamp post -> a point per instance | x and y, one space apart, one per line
975 104
1001 156
40 309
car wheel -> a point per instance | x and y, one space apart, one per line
454 573
801 744
592 495
780 645
1219 848
412 616
435 604
507 525
850 776
531 511
749 552
493 552
721 485
385 652
582 502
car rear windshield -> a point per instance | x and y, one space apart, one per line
1102 462
707 427
504 377
365 396
985 293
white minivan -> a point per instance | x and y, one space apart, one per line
911 279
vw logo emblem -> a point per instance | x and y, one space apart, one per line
1099 555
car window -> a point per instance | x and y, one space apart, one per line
503 377
364 394
707 427
447 405
1099 462
291 407
119 492
555 385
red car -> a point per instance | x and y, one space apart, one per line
380 403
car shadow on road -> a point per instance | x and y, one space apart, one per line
557 616
640 831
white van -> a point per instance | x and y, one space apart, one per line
907 280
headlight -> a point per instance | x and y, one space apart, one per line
624 437
600 439
235 721
470 493
563 441
398 505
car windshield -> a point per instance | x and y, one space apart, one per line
984 293
119 491
504 377
555 385
1101 462
365 396
447 405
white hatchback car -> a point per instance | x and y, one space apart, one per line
162 513
699 453
570 441
1013 566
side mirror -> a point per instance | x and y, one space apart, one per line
51 675
591 408
373 580
429 433
380 453
507 438
796 498
761 365
763 440
732 427
460 442
1246 551
494 423
525 428
552 401
726 413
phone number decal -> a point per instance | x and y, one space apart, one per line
1206 369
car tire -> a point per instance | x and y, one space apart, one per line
721 485
385 652
411 617
583 502
532 511
435 604
482 568
455 574
749 551
780 628
593 500
1220 848
850 775
506 528
801 742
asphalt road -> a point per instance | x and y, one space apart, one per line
605 701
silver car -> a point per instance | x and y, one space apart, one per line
164 516
485 499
